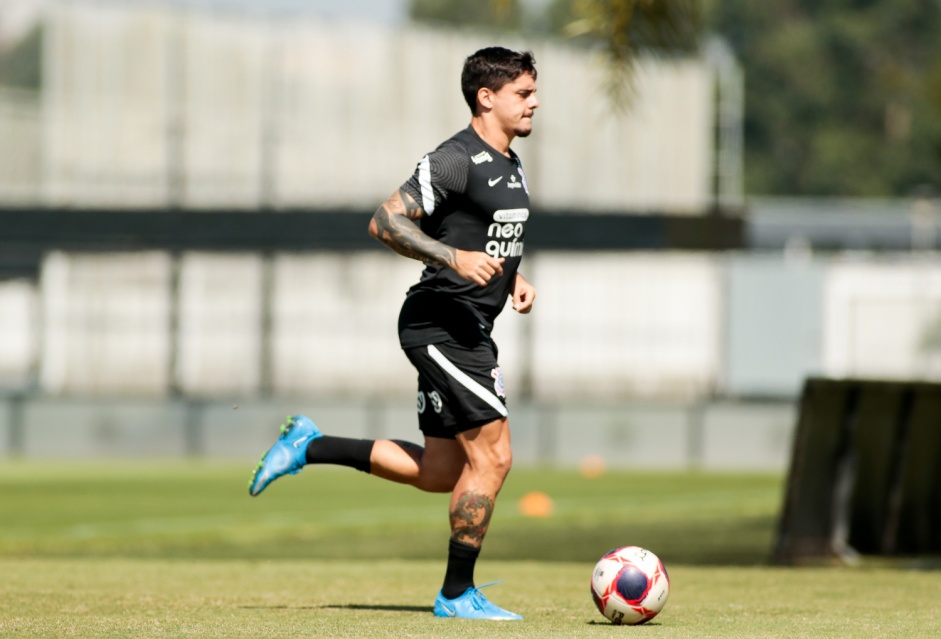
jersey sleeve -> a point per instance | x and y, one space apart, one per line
439 175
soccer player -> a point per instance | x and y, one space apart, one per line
463 213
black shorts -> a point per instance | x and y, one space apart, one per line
459 387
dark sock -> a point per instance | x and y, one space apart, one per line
342 451
460 573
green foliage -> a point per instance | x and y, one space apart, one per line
843 97
626 28
493 14
21 66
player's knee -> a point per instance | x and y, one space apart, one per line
499 461
506 462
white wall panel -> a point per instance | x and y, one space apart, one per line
152 106
19 332
883 319
605 326
305 143
743 436
106 323
224 64
636 436
617 325
772 325
220 323
653 152
106 106
334 318
359 105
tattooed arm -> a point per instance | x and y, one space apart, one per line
394 224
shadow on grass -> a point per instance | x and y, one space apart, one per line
281 607
739 541
722 542
649 624
423 609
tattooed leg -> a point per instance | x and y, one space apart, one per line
470 517
488 461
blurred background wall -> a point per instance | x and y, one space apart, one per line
638 354
155 106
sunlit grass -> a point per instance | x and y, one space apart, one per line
180 550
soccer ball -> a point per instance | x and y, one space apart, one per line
630 585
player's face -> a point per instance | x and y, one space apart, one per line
515 103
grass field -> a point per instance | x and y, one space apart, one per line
179 550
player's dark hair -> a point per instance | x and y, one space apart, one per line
492 68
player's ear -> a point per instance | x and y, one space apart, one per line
485 98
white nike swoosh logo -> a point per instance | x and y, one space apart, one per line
494 181
451 613
300 441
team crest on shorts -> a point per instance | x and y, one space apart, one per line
436 402
498 386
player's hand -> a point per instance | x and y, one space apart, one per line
477 266
524 294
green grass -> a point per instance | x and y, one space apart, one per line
180 550
202 510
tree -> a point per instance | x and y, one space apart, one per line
505 14
843 97
627 28
21 66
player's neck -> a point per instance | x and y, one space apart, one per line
492 134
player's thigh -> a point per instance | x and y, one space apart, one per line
488 446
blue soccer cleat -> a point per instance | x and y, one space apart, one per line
472 605
287 456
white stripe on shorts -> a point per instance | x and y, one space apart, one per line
424 179
466 380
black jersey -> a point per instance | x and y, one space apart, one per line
474 199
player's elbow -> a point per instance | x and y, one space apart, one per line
374 228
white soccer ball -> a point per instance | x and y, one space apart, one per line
630 585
